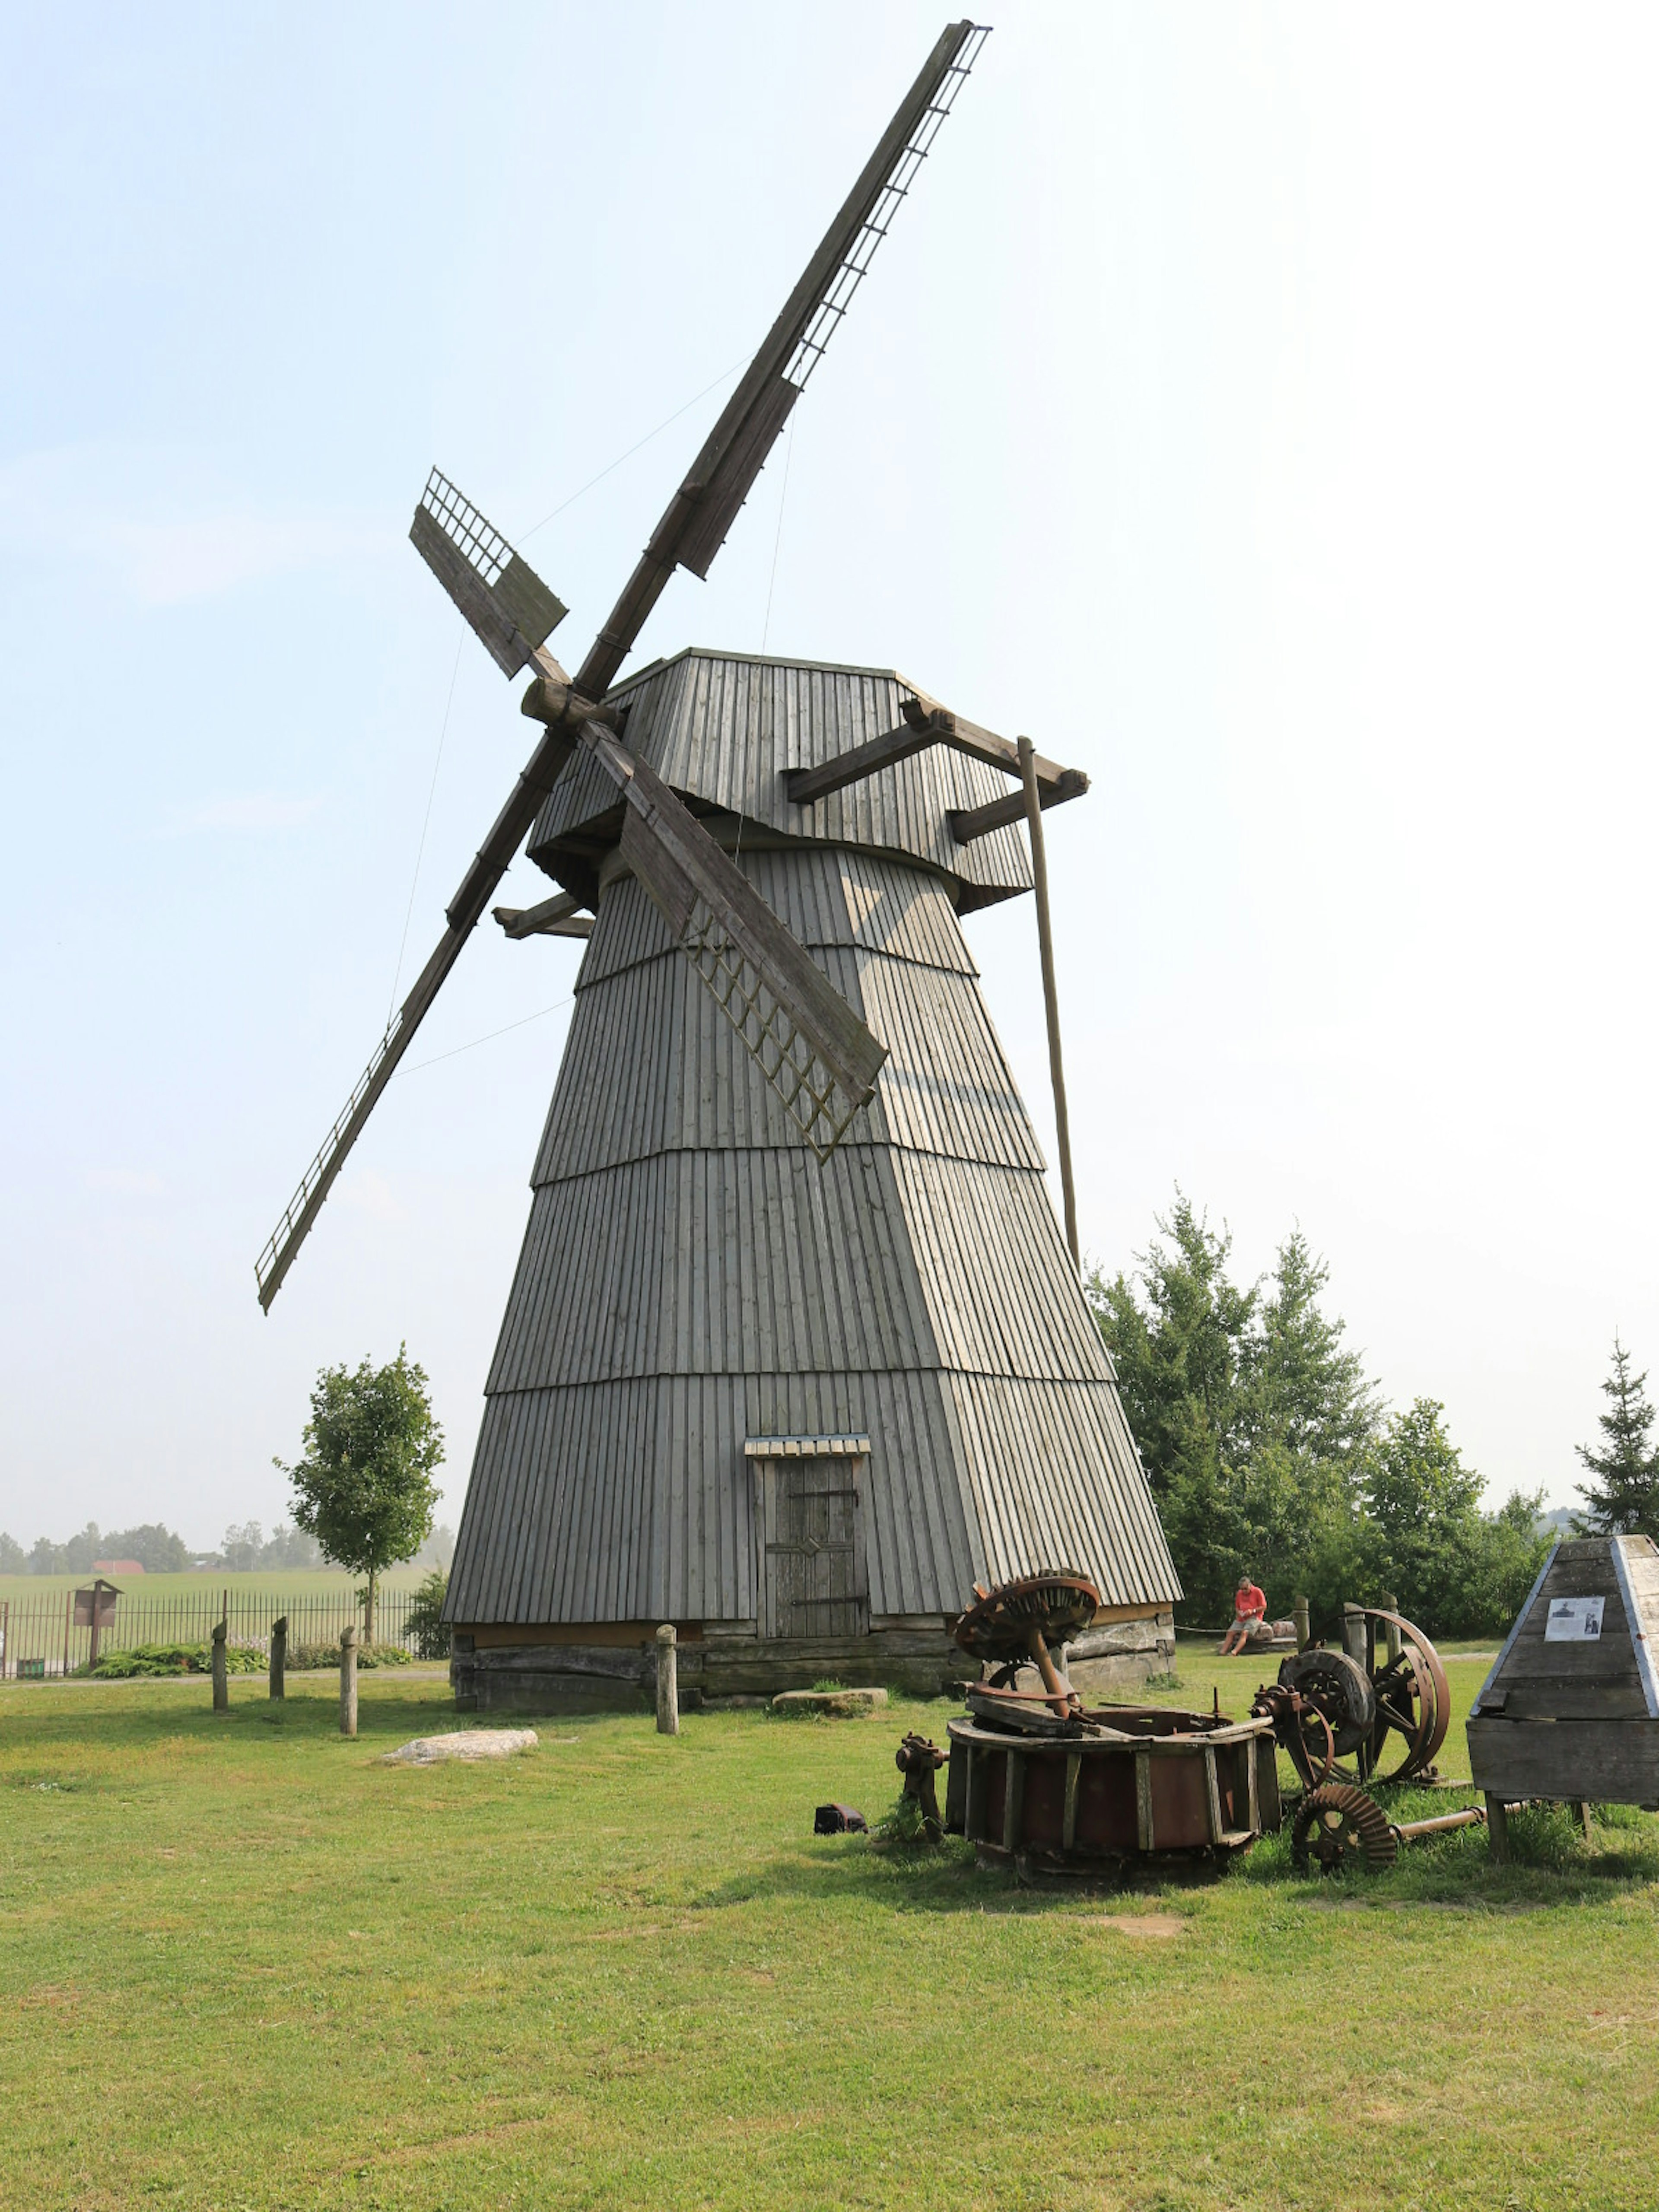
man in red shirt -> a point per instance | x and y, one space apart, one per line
1248 1607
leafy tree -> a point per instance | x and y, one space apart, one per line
1453 1569
1299 1388
154 1547
1249 1412
364 1488
1624 1500
241 1550
13 1558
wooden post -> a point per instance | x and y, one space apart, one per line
1498 1831
348 1681
69 1622
220 1677
1353 1632
279 1657
1581 1812
1304 1624
668 1680
1050 1000
5 1637
1391 1604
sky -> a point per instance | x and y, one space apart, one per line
1254 405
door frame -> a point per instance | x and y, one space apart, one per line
765 1455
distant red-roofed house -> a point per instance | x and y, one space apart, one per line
116 1567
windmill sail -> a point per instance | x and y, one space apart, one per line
807 1041
499 593
703 510
819 1053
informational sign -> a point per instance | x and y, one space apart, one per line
1574 1620
96 1608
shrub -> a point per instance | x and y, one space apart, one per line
174 1659
425 1624
302 1656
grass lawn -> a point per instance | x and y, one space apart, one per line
242 1964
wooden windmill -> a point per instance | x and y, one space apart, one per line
795 1354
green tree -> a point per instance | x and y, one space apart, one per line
1624 1500
1423 1510
14 1559
154 1547
364 1487
1251 1413
1299 1388
1454 1569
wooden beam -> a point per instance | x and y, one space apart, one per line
969 822
982 744
555 917
919 730
1031 799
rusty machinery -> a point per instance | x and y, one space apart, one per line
1037 1777
1332 1702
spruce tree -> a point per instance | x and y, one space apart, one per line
1624 1500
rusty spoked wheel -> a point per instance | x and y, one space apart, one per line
1412 1700
1340 1827
1338 1691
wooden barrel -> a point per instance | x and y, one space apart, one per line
1199 1788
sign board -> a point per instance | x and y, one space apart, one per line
1574 1620
96 1608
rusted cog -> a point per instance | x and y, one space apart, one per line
1340 1827
1057 1603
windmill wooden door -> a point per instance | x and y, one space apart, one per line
813 1581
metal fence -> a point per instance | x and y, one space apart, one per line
39 1636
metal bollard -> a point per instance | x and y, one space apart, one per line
220 1673
279 1657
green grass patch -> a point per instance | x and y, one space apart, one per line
245 1965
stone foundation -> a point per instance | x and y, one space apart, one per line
618 1674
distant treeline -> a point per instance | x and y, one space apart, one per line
156 1548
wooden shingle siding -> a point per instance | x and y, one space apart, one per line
725 731
691 1279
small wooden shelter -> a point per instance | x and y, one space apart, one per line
797 1409
1570 1708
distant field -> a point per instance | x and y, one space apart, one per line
248 1967
281 1582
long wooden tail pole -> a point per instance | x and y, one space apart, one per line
1050 1000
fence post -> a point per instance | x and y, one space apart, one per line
68 1619
279 1656
1390 1603
5 1636
1304 1624
348 1681
220 1682
668 1681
